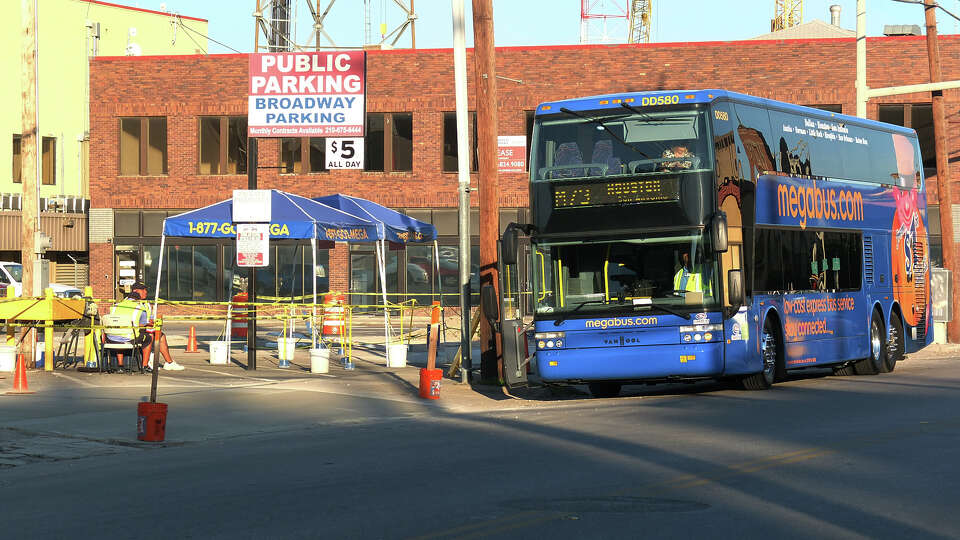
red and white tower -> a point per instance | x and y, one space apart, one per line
604 21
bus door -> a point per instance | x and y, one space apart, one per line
513 286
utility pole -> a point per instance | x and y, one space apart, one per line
252 164
944 191
463 181
491 365
861 81
29 152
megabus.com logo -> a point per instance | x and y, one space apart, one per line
819 203
603 324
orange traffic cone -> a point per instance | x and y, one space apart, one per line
192 340
20 378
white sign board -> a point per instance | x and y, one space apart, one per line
344 153
253 244
511 153
251 205
307 94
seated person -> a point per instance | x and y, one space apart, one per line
678 151
688 278
134 307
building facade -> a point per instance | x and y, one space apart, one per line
411 144
69 33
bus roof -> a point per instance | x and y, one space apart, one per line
614 101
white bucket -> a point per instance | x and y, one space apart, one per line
397 355
286 348
8 358
219 352
319 360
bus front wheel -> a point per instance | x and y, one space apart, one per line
772 363
874 363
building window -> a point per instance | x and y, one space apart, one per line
48 158
302 155
223 145
16 159
934 235
388 144
143 146
834 108
450 141
918 116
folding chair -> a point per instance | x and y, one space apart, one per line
112 354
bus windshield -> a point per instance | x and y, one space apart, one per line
619 142
669 271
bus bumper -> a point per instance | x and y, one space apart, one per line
631 363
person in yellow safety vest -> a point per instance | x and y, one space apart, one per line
134 307
687 279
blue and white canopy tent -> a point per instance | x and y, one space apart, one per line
397 228
293 217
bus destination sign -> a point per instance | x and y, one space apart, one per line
586 194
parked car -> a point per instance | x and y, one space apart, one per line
11 273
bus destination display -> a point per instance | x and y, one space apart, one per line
583 194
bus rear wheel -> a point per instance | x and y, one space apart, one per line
895 345
873 364
770 354
604 389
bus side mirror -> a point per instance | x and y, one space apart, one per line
508 246
735 288
718 229
489 304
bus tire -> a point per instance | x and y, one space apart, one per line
895 344
604 389
772 360
876 357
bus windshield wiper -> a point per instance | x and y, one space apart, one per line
670 310
637 111
574 310
602 124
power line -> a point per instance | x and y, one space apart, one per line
208 38
921 3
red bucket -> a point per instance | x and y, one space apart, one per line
430 383
151 421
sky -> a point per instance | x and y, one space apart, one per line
539 22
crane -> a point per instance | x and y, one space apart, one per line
787 13
641 16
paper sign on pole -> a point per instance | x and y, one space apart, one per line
511 153
253 244
307 94
251 205
344 153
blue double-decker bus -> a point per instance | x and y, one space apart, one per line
707 234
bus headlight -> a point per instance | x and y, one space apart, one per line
549 340
700 332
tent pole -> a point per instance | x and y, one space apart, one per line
382 264
313 278
156 295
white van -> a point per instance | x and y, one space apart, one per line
11 273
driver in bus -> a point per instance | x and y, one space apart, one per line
688 279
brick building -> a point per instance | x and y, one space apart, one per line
411 143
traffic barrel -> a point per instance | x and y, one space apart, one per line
334 321
238 326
